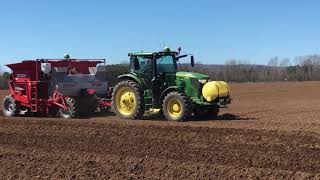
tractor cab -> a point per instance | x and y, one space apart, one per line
146 63
157 68
157 63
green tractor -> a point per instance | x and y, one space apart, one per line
155 84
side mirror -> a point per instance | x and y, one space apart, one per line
192 61
182 56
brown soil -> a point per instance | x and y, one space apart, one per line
271 130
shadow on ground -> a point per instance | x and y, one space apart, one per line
223 117
158 117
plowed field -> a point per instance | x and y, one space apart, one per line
271 130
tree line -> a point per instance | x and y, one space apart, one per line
302 68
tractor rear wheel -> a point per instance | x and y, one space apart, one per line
176 107
10 107
71 110
128 102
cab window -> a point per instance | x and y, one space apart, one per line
166 64
144 64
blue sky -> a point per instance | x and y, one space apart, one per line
214 31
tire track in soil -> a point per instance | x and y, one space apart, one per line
38 164
237 148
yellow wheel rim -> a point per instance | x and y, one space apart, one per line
126 101
174 108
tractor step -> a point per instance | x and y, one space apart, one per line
148 106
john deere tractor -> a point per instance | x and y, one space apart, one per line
155 84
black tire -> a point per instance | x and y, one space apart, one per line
185 107
138 92
10 107
93 104
203 112
54 111
87 105
71 112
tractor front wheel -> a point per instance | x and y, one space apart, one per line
128 102
71 110
10 107
176 107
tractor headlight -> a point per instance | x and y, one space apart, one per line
203 81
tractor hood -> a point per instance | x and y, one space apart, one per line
198 85
192 75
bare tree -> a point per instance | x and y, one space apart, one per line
274 62
285 62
